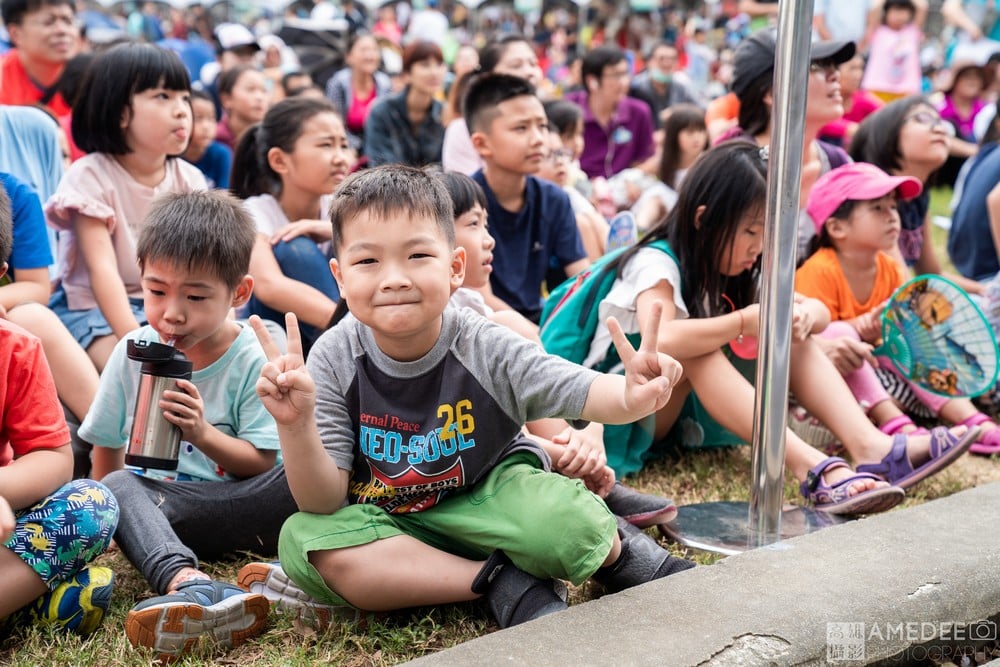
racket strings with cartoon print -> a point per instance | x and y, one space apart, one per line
937 336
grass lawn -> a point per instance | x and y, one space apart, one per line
707 475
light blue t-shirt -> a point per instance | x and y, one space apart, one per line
226 387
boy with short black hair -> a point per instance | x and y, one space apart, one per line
531 219
414 483
227 494
60 526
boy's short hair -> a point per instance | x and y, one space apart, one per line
13 11
389 190
198 94
564 116
6 226
465 192
208 229
488 91
597 59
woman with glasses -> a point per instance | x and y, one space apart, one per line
753 75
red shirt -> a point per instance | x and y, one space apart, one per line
17 88
31 416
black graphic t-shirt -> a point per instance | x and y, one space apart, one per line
412 432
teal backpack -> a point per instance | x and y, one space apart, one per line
570 315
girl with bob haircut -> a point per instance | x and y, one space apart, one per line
710 320
405 127
286 168
134 121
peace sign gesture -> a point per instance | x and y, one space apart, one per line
650 375
285 387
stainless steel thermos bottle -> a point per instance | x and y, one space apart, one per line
154 442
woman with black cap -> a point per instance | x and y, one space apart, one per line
753 74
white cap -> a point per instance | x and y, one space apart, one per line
233 36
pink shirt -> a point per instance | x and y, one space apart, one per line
894 61
457 153
98 187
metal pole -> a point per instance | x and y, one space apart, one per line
791 72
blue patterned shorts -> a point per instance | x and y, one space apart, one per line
61 534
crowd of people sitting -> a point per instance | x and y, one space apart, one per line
371 274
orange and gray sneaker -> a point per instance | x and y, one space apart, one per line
200 609
270 580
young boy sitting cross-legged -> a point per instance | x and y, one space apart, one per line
402 436
228 493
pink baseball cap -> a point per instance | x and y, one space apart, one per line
859 181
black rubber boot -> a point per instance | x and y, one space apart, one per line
514 595
642 559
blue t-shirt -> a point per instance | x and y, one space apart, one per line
228 391
216 164
970 241
544 228
31 241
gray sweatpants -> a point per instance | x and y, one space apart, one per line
166 526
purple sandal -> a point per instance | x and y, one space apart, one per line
837 499
896 468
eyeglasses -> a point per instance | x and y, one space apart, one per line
52 20
559 155
932 120
827 66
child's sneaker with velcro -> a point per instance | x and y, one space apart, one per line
77 604
200 609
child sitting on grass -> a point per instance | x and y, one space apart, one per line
227 495
57 526
405 457
575 453
851 272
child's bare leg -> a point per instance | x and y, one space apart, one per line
99 351
19 584
729 399
401 571
821 390
74 373
395 573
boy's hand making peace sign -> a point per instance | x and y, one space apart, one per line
650 375
649 379
285 387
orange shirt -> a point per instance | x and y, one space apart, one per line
17 88
726 107
821 277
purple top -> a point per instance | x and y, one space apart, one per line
964 124
627 141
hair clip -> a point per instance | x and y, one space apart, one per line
764 152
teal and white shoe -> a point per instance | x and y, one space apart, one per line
218 612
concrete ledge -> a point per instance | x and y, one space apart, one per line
905 575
